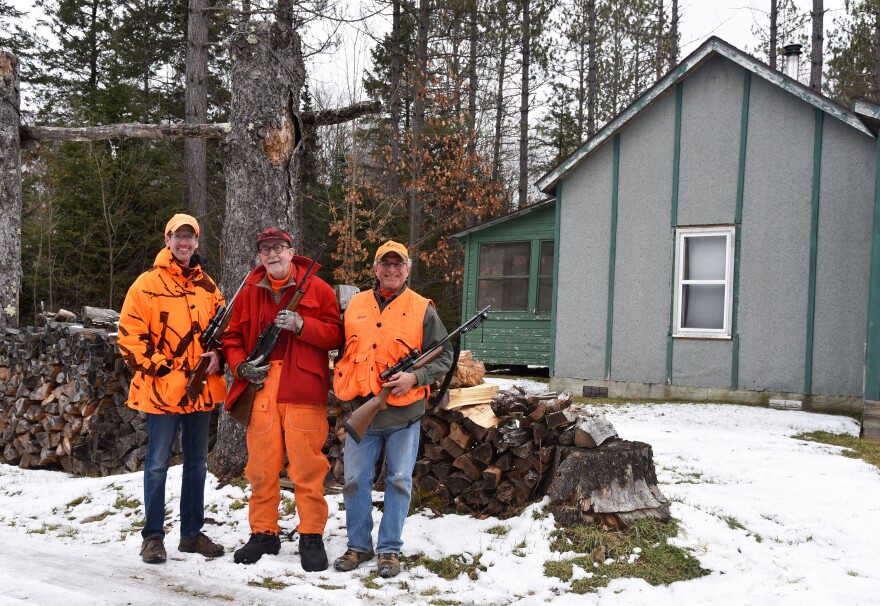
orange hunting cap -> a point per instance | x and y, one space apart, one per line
392 247
179 220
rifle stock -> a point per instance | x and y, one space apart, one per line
359 421
244 403
211 340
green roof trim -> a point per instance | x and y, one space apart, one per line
712 46
515 214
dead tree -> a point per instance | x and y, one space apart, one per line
10 190
262 172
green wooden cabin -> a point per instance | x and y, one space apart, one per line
509 265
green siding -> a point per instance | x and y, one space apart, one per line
509 337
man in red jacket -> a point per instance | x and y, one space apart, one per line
290 406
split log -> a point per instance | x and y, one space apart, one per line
591 431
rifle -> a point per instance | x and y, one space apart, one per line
266 342
211 340
360 420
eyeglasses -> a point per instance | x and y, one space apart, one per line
265 250
187 236
395 265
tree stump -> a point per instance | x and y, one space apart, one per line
610 486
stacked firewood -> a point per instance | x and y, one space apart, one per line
63 384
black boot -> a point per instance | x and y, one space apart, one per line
257 545
311 552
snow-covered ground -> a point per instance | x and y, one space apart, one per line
776 520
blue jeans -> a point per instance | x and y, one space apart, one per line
401 449
161 431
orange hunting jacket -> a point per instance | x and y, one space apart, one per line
159 326
375 341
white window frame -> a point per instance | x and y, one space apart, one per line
681 234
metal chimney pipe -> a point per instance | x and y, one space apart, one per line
792 59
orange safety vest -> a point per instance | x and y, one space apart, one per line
376 341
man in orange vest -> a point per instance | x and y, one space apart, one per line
164 312
381 326
289 412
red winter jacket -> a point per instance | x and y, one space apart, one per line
305 369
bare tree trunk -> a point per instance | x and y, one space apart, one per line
658 62
245 11
591 67
195 154
418 127
673 36
499 96
524 110
394 101
472 77
261 168
10 190
816 45
774 14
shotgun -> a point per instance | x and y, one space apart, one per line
360 420
266 342
211 340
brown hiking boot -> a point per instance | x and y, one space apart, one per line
199 543
153 550
389 565
351 559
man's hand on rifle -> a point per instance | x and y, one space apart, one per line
401 383
289 320
255 374
213 364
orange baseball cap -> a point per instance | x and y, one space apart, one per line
392 247
179 220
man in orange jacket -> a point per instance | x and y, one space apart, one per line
382 326
290 406
164 312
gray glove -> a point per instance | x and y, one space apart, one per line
289 320
255 374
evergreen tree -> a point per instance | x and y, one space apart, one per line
852 69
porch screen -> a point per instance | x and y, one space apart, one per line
503 280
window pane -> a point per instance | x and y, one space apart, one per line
503 294
545 293
547 258
705 257
702 306
507 259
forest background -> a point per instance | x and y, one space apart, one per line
480 98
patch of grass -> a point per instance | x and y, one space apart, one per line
331 587
444 602
268 583
96 518
733 523
858 449
44 528
369 581
450 567
658 562
288 506
539 514
123 502
499 531
237 504
239 482
429 592
78 501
